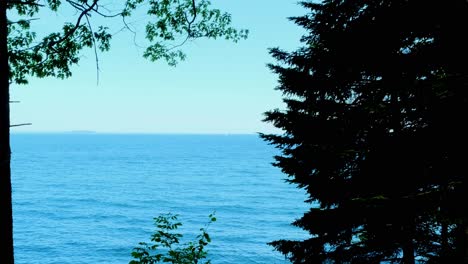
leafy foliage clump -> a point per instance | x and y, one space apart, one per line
170 24
166 244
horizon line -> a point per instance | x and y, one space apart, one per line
90 132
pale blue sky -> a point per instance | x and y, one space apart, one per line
222 87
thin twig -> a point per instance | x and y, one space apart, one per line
95 50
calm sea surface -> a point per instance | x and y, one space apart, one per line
90 198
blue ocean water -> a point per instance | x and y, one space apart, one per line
90 198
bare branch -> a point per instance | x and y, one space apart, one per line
21 20
76 5
180 44
194 6
23 124
189 23
95 10
78 22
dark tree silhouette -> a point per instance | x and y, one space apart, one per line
171 23
375 131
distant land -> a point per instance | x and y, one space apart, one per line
80 132
55 132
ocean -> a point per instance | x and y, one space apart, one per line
90 198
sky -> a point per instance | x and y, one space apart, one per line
221 88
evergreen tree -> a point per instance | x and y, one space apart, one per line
374 131
24 54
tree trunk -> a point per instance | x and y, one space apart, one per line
462 242
465 249
408 253
444 252
6 212
408 246
444 233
